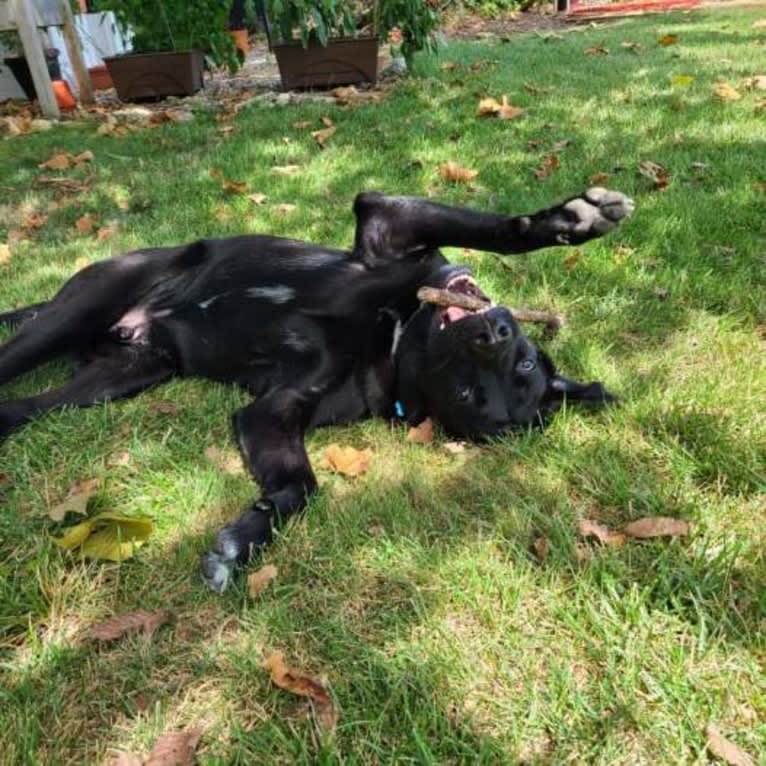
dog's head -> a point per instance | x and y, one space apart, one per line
476 373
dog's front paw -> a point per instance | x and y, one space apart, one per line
217 570
593 214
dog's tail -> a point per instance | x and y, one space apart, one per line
21 315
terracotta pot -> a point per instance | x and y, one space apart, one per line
343 61
140 76
99 77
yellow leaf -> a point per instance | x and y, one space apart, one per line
258 581
302 124
81 262
681 80
422 434
490 107
657 526
726 92
76 500
5 254
667 40
454 173
326 121
347 460
107 536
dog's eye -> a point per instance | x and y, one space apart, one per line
526 365
463 394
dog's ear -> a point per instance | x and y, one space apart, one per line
591 395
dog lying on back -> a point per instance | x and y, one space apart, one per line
318 336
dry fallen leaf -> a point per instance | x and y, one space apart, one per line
550 164
285 170
597 50
258 581
86 224
347 460
540 547
292 681
321 136
106 232
257 199
285 208
34 221
175 748
490 107
657 526
455 447
228 461
302 124
449 66
727 751
86 156
726 92
122 624
601 532
667 40
107 536
59 161
81 262
658 174
422 434
235 187
164 407
5 254
757 82
76 500
454 173
571 260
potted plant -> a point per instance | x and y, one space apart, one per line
16 62
170 40
335 42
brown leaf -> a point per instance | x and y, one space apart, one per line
599 179
235 187
326 715
667 40
757 82
122 624
326 121
119 459
347 460
59 161
535 89
449 66
657 526
540 546
175 748
656 173
292 681
82 157
550 164
164 407
5 254
228 462
601 532
321 136
490 107
285 208
760 106
258 581
123 758
455 447
86 223
76 500
421 434
631 45
572 259
726 92
106 232
257 199
302 124
757 186
454 173
34 221
727 751
285 170
597 50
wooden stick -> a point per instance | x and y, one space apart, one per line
68 29
552 322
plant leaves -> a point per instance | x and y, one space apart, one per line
421 434
302 124
105 233
601 532
285 208
657 526
107 536
294 682
727 751
258 581
122 624
667 40
76 500
726 92
454 173
175 748
454 447
347 460
540 547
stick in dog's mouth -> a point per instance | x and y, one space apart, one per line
448 298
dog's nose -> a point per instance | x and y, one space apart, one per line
498 328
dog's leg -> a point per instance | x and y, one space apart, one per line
118 376
19 316
390 228
270 433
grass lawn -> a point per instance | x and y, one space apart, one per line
414 590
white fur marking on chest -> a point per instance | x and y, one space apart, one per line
397 337
273 293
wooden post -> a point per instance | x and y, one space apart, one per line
24 17
68 29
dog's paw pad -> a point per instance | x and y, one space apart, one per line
613 205
217 571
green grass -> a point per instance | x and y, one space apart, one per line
414 590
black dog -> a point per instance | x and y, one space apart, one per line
319 336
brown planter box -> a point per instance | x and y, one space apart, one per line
139 76
99 77
343 61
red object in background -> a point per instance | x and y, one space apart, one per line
64 96
576 8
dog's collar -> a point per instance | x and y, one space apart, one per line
399 409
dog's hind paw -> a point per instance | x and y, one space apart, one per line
217 570
593 214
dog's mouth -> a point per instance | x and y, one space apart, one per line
463 284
